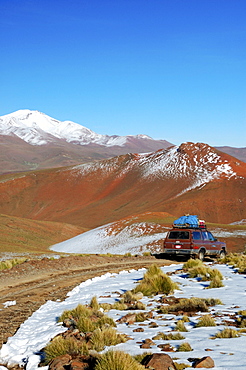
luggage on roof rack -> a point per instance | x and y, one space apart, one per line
187 221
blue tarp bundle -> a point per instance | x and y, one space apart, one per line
190 220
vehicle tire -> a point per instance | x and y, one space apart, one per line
201 255
222 254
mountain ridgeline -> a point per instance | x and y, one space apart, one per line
189 178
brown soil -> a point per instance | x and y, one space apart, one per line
36 281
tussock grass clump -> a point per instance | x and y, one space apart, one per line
227 333
191 263
155 282
61 346
236 260
215 282
117 360
206 320
205 273
169 336
8 264
76 313
119 306
106 337
193 304
132 300
180 326
184 347
94 303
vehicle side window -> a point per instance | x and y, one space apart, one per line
179 235
196 235
210 236
205 235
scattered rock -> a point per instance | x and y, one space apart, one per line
166 347
159 361
153 324
206 362
59 362
147 343
138 330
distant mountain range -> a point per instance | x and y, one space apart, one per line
190 178
32 140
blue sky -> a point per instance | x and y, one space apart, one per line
171 69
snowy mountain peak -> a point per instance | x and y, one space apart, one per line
37 128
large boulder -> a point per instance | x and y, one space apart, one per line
159 361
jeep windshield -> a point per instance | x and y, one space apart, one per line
179 235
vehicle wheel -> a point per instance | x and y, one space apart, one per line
222 254
201 255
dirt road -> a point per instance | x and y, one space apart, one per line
36 281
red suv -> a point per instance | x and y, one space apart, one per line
193 242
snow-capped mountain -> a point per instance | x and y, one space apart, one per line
37 128
33 140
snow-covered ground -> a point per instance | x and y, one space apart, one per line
130 239
227 354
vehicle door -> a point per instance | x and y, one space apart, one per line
197 239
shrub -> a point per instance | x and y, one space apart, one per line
169 336
155 282
205 273
106 337
85 325
236 260
130 297
192 263
227 333
215 282
117 360
180 326
60 346
76 313
8 264
193 304
119 306
94 303
184 347
206 320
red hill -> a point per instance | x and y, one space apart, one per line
191 178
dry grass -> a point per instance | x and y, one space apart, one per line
8 264
227 333
61 346
215 282
191 263
155 282
184 347
180 326
106 337
25 235
117 360
206 320
236 260
169 336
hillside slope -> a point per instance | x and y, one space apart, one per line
192 178
18 235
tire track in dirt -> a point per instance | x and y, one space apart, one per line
35 282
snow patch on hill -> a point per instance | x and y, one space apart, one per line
134 239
